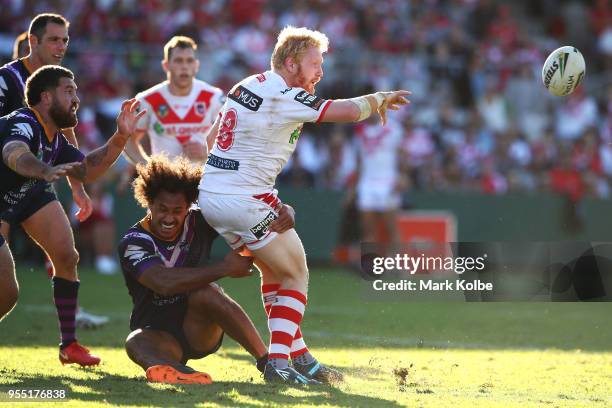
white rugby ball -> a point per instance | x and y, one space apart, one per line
563 70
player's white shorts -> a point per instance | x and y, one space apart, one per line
241 219
377 197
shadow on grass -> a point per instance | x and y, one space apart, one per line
124 390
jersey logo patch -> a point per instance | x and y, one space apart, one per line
312 101
246 98
200 108
162 111
22 129
134 252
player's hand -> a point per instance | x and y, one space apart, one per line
285 220
392 101
195 151
82 200
237 266
128 117
52 173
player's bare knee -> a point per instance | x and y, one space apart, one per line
66 260
206 297
9 300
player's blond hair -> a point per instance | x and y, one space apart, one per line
179 41
293 42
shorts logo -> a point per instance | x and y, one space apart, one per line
22 129
200 108
245 98
312 101
260 229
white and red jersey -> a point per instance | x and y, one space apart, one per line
172 120
260 126
378 148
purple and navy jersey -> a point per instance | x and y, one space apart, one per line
23 125
13 77
140 250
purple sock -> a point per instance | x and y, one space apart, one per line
65 294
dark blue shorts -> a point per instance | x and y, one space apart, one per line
35 199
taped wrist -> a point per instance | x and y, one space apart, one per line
365 110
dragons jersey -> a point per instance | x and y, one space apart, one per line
172 120
260 125
378 148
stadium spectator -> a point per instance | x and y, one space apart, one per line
393 39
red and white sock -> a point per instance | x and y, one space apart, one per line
284 321
268 295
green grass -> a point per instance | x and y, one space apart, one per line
443 354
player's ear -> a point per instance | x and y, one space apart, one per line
197 65
164 65
290 65
32 41
46 97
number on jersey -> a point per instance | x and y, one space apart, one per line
225 138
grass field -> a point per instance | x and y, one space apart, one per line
394 353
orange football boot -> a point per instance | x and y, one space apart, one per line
170 375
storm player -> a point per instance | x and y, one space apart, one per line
256 133
180 110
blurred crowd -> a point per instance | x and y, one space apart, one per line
480 117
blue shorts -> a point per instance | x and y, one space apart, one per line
35 199
2 241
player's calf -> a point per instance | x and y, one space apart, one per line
9 288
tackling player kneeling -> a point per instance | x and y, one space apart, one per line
179 312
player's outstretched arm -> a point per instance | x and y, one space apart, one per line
362 107
98 161
18 157
169 281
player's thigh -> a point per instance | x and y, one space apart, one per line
200 326
147 347
284 255
268 277
9 288
5 230
50 229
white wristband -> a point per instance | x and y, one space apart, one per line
379 99
365 110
